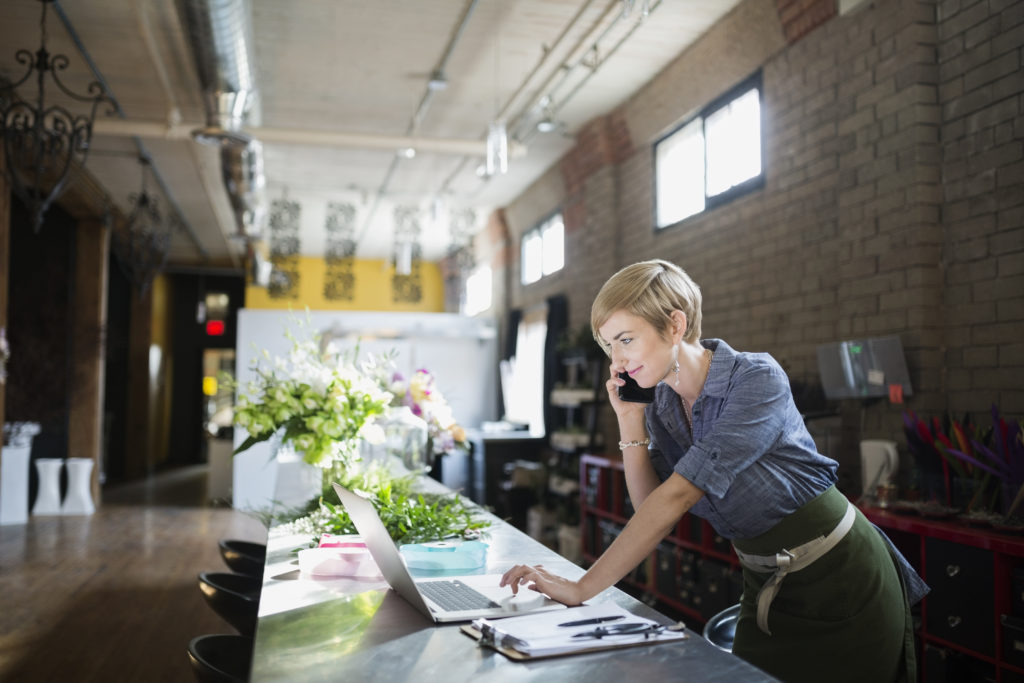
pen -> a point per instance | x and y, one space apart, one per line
595 620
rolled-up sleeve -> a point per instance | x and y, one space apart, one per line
748 423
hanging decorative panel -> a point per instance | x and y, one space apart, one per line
284 249
340 251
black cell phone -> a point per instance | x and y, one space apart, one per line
631 391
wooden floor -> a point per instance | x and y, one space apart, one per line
113 596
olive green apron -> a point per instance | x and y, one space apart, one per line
845 617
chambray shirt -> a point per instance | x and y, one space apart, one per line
750 452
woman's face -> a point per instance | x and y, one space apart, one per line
637 348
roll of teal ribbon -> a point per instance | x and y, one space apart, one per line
445 555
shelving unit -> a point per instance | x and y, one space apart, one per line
972 622
576 398
694 571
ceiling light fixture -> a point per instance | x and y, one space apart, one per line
438 81
43 141
142 244
547 125
497 148
407 152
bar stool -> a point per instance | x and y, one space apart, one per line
220 658
244 557
235 597
721 628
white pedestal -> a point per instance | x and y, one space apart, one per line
14 484
78 500
218 475
48 496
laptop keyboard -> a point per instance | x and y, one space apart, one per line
455 596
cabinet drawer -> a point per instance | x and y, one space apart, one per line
960 606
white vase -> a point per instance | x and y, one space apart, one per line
78 500
14 484
48 496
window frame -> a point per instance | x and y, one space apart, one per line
537 231
754 81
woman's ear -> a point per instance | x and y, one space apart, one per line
678 326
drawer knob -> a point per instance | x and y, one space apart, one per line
952 570
953 621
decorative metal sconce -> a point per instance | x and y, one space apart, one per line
340 277
43 141
142 244
405 283
284 249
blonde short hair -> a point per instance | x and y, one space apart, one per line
651 290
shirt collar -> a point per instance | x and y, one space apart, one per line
720 372
717 383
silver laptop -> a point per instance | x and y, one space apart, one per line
452 598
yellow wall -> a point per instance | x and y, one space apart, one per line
160 393
372 289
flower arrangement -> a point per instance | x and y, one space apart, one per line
978 468
320 399
421 395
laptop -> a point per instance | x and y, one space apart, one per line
452 598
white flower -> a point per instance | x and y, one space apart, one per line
372 433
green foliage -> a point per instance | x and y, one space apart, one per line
409 517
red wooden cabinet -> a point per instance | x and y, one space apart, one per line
693 571
972 622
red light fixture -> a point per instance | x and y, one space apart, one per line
215 328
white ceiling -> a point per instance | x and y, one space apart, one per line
348 75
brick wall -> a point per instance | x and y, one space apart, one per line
981 86
893 201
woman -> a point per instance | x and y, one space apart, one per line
826 596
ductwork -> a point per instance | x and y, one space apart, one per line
219 33
242 170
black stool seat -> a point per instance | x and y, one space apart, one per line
244 557
235 597
721 628
220 658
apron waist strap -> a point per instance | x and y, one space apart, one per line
789 561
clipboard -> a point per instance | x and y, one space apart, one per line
518 656
515 644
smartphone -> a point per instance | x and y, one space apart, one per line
631 391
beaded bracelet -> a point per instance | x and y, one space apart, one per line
623 445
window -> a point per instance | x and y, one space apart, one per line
543 250
478 291
522 376
711 158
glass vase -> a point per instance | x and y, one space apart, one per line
405 439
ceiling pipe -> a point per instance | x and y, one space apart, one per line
438 77
418 115
219 33
296 136
143 152
545 58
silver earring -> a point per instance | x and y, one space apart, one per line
675 364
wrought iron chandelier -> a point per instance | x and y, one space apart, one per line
141 246
44 140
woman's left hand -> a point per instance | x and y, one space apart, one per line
539 579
